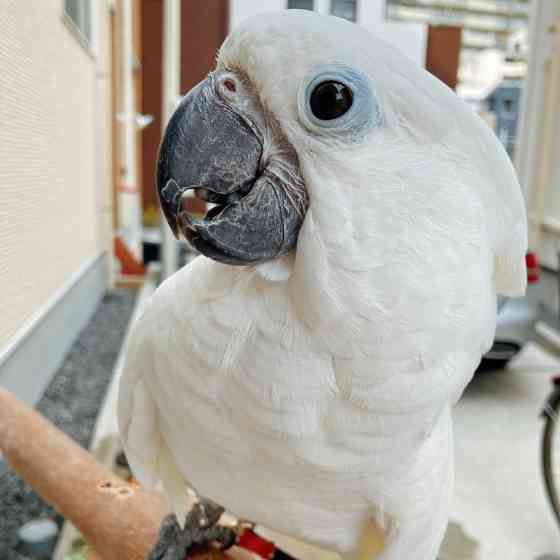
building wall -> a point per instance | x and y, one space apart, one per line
104 185
152 102
55 175
539 178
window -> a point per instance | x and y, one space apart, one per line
344 8
300 4
79 12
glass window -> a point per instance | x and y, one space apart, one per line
300 4
79 11
344 8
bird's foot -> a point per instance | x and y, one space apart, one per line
201 532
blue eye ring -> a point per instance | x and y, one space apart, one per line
364 111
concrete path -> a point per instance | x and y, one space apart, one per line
500 499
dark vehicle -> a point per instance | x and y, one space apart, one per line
516 317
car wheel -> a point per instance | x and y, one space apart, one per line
499 355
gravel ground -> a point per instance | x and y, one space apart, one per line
71 401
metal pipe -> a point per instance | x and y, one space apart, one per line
129 205
171 92
546 146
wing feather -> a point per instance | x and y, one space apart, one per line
147 451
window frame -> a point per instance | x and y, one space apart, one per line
356 11
89 44
312 9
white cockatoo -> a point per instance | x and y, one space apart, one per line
302 371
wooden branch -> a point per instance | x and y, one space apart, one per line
120 521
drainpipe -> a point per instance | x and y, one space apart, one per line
130 213
543 183
171 96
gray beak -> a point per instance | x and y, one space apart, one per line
213 145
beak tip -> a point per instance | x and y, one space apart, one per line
175 232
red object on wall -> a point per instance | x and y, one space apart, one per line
129 265
533 269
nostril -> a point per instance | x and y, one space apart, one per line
230 85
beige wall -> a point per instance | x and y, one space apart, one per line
55 203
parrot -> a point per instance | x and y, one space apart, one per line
301 371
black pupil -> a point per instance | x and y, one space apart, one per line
330 100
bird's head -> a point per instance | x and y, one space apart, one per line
311 127
238 137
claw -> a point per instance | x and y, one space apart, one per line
201 532
169 546
210 512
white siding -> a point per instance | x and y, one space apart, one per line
409 38
242 9
54 155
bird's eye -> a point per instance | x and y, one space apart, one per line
330 100
338 99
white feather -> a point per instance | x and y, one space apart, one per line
311 400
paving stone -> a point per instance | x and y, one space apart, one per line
71 402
